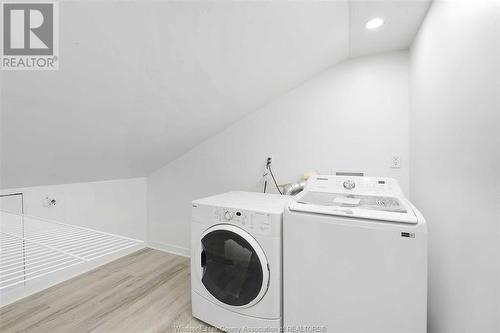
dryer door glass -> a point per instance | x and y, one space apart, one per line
232 270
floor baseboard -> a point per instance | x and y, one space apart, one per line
181 251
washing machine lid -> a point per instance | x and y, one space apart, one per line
361 197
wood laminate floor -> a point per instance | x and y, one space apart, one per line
147 291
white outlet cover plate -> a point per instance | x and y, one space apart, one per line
396 162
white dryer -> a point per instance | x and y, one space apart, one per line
236 260
355 258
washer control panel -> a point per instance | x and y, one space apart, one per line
254 222
354 185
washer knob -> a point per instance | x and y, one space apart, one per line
349 184
228 216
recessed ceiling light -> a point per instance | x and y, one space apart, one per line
374 23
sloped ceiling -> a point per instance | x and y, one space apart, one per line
142 82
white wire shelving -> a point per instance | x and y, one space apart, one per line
31 248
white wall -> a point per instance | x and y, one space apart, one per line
115 206
455 161
353 116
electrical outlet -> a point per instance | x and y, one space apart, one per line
396 162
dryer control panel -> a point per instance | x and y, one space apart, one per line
254 222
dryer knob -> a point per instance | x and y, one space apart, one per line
228 216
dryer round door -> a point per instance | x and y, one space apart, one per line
234 268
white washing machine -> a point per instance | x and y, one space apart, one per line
236 260
355 258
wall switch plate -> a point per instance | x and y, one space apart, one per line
396 162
